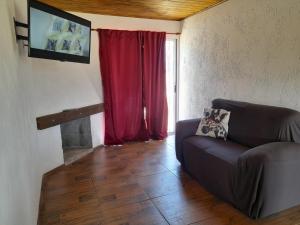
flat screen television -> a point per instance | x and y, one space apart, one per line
55 34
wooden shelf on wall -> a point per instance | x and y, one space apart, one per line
55 119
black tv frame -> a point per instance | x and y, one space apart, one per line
45 54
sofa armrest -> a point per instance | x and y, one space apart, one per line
266 179
184 129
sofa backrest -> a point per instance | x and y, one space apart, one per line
254 125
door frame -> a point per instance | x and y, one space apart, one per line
176 38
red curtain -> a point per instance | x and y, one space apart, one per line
129 86
154 83
122 86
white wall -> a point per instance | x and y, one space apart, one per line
34 87
20 181
242 49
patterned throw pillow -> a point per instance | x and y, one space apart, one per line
214 123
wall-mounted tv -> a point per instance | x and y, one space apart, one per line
55 34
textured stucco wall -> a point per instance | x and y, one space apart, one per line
244 50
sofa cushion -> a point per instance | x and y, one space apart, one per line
254 125
226 150
211 162
214 123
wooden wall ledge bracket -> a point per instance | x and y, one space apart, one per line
55 119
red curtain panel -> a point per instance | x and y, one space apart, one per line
122 86
133 76
154 83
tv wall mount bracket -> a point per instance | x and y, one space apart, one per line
18 36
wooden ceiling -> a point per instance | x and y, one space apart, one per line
152 9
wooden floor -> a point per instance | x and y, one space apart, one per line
138 183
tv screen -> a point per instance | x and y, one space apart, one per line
55 34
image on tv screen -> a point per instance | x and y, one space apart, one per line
53 33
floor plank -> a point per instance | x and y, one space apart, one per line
137 184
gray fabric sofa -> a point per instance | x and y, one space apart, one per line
257 169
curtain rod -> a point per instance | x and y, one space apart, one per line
93 29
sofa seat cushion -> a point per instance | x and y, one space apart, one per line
211 162
227 150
